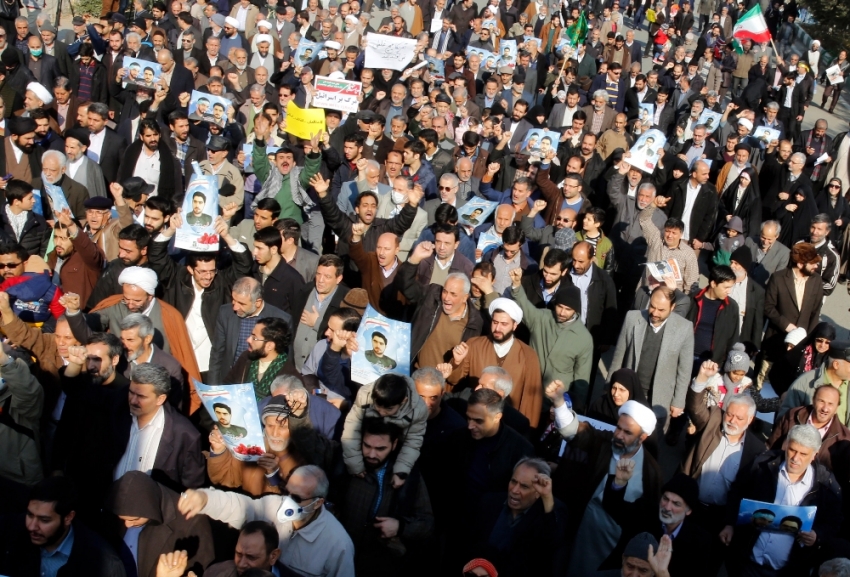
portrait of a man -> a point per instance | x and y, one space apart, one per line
148 75
134 72
197 216
218 113
472 217
376 355
224 415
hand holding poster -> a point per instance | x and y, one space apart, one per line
56 196
776 518
209 108
141 72
200 207
476 211
337 94
388 51
383 347
486 241
304 123
234 407
645 153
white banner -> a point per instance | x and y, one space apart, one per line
335 94
388 51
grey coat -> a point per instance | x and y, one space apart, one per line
675 359
775 259
626 233
22 401
802 392
305 263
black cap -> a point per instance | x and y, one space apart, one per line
684 486
366 116
140 22
10 59
79 134
18 125
135 187
280 9
116 17
99 202
839 350
218 143
455 75
444 98
570 297
743 257
333 112
519 78
78 21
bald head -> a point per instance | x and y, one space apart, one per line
582 257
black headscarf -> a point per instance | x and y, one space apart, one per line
798 355
603 409
795 225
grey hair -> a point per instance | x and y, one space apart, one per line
22 20
539 465
134 320
290 10
647 186
429 376
285 384
773 223
191 61
133 36
297 35
835 568
741 399
373 164
166 52
772 105
100 109
62 82
248 286
600 94
257 89
805 435
151 374
60 158
322 483
460 92
407 180
504 383
461 277
702 126
450 177
798 157
822 218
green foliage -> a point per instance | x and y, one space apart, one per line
80 7
832 15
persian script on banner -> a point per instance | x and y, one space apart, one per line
304 123
388 51
339 95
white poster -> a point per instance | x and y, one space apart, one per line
336 94
389 52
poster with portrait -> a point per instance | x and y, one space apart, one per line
486 241
141 72
248 162
234 410
508 53
200 207
710 119
383 51
833 74
531 39
776 518
647 150
646 115
307 51
209 108
383 347
436 68
489 61
563 46
476 211
765 135
57 199
539 142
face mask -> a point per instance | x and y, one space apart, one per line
290 511
398 198
37 53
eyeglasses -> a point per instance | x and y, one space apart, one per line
10 265
446 188
834 186
255 339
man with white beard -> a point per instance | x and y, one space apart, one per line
81 168
723 454
137 337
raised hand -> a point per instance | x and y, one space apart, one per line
539 206
459 353
555 392
191 503
542 484
358 229
231 209
726 535
77 355
71 302
5 305
625 470
707 370
660 560
445 369
320 185
414 197
361 164
217 441
315 139
422 251
297 399
661 201
493 168
516 277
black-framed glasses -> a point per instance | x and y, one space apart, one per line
447 188
10 265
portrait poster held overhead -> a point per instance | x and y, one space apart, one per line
234 410
248 150
646 151
56 196
766 135
776 518
436 68
337 94
209 108
539 142
487 241
710 119
489 61
507 53
383 346
304 122
141 72
388 51
476 211
308 51
200 207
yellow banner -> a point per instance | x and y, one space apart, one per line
304 123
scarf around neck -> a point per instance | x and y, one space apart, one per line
262 387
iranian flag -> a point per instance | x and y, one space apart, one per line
751 26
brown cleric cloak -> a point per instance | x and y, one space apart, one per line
179 341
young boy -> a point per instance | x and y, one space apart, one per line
393 398
591 232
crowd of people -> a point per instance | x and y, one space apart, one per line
700 278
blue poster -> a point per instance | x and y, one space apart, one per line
248 163
56 196
507 53
539 142
646 151
776 518
489 61
200 207
209 108
436 68
383 347
476 211
234 408
710 119
307 52
487 241
141 72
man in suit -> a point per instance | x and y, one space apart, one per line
750 298
517 125
768 255
694 202
366 179
664 117
698 147
106 148
814 143
447 190
784 311
234 321
638 94
792 102
137 337
647 337
178 78
615 84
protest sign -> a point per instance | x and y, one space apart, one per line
644 155
489 61
833 74
646 116
383 347
56 197
776 518
476 211
766 135
539 142
508 52
710 119
209 108
304 123
307 51
248 151
337 94
664 268
141 72
234 407
388 51
486 241
436 68
200 207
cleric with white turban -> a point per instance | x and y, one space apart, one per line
507 306
142 277
39 94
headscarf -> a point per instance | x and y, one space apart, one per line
603 409
804 356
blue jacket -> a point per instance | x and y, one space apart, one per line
487 191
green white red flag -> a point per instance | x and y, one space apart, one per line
752 26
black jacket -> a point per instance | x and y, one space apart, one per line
170 175
197 151
761 486
725 325
281 286
35 235
112 155
601 315
703 212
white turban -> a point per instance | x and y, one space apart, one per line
232 21
351 18
333 45
642 415
508 306
41 92
264 24
746 122
142 277
264 38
